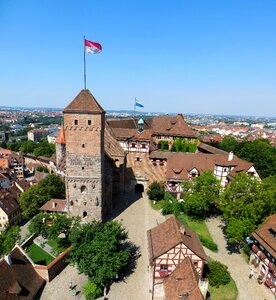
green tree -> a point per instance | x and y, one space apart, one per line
217 273
245 204
27 147
34 197
229 143
8 238
156 191
261 154
99 251
42 169
92 291
201 195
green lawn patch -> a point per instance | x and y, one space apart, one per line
202 231
157 205
224 292
38 255
58 245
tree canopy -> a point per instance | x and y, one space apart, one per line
156 191
245 203
8 238
201 195
259 152
34 197
99 251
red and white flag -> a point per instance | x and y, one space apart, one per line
92 47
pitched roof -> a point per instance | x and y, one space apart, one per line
183 282
61 136
164 125
180 164
171 125
84 103
266 235
205 148
18 280
7 203
4 163
168 234
54 205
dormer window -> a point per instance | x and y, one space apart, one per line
272 232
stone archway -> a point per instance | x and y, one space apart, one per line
139 188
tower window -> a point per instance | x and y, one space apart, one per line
82 168
76 122
83 189
89 122
83 145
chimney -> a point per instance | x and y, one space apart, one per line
53 204
8 259
230 156
182 229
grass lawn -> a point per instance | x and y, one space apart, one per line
202 231
157 205
38 255
224 292
58 245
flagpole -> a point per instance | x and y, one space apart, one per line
84 63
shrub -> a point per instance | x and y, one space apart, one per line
209 244
156 191
167 208
217 273
91 291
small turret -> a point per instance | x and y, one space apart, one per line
141 125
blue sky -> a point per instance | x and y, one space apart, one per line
216 57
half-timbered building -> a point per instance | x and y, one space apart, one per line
169 244
263 253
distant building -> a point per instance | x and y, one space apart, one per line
4 136
52 137
10 213
36 135
4 181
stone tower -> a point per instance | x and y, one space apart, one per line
84 122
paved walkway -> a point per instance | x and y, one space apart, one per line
137 218
239 269
58 288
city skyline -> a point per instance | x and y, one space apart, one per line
208 58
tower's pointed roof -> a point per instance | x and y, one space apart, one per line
61 137
84 103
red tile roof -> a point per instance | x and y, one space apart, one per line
266 235
183 283
54 205
168 234
159 125
18 280
4 163
61 136
180 164
84 103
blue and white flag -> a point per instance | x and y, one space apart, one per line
138 103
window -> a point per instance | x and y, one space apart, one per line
83 189
164 267
82 168
83 145
138 159
76 122
144 146
195 263
133 145
89 122
225 170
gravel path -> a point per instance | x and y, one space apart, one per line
239 269
137 218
